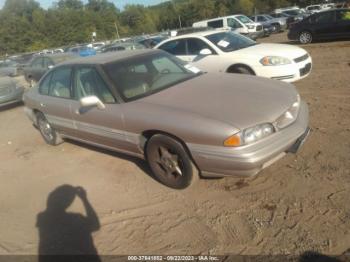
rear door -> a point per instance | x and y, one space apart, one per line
343 23
99 126
55 96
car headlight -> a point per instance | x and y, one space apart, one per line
250 26
274 61
250 135
289 116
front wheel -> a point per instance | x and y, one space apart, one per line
49 134
170 163
305 37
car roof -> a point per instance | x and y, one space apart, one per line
201 33
106 58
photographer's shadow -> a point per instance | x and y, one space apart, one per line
66 233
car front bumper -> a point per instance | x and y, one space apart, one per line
287 73
12 97
214 161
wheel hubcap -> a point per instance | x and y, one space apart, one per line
305 38
46 129
169 162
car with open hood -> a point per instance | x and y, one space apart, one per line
185 123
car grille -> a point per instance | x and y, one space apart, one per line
259 28
305 70
301 59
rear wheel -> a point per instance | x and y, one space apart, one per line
305 37
49 134
170 163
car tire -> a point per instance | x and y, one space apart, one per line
278 28
241 70
305 37
170 162
50 135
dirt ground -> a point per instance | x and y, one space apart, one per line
301 203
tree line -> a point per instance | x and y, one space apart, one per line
26 26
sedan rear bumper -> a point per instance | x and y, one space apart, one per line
248 160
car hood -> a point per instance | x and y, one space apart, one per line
262 50
239 100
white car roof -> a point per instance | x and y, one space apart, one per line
202 33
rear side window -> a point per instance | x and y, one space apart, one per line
45 85
60 82
195 45
37 63
216 23
176 47
343 15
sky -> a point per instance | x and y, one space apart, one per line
118 3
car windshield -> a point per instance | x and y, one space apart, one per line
244 19
229 41
147 74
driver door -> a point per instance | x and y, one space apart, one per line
98 126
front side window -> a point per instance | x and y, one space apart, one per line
233 23
162 71
323 18
229 41
88 82
60 83
45 85
176 47
343 15
261 18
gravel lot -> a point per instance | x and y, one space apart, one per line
300 203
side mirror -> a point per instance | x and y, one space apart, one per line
205 51
50 66
91 101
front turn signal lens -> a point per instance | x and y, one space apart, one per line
234 140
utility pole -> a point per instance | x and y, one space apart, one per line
116 28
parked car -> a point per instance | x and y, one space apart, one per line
152 41
10 91
290 19
122 47
8 68
40 64
82 50
147 104
238 23
330 24
295 12
279 24
225 51
314 8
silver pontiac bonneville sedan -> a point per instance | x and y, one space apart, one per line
185 123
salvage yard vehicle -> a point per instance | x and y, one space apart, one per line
238 23
8 68
10 91
280 24
147 104
225 51
38 66
330 24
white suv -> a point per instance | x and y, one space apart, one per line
225 51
